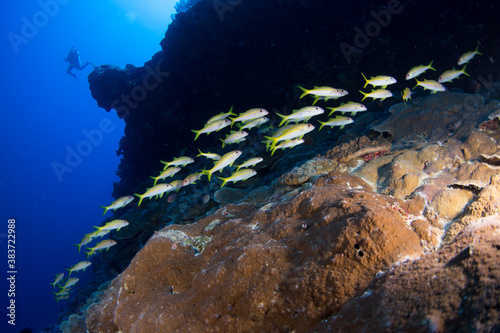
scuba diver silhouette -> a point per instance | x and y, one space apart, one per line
74 62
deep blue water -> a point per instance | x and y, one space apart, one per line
45 112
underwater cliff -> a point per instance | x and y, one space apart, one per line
386 222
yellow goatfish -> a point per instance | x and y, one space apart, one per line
253 123
237 176
303 114
209 155
249 115
466 57
449 76
214 126
248 163
79 267
337 121
234 137
169 172
192 178
104 245
113 225
292 132
406 94
379 81
430 85
85 240
227 159
349 107
118 203
58 279
71 282
324 92
180 161
221 116
417 70
287 144
157 190
377 94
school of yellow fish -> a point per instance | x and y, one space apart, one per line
283 137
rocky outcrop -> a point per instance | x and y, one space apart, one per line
280 266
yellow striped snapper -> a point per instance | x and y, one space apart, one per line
183 160
62 294
221 116
104 245
291 132
71 282
58 279
323 92
214 126
157 190
349 107
176 184
118 203
192 178
113 225
466 57
238 175
253 123
249 115
85 240
248 163
417 70
337 121
287 144
451 75
209 155
169 172
98 233
377 94
79 267
379 81
303 114
234 137
227 159
406 94
430 85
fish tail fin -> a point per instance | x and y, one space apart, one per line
364 95
223 142
232 121
78 246
140 196
463 71
224 181
155 178
304 92
166 165
70 271
316 100
273 151
430 65
283 118
231 113
364 77
333 110
200 154
418 82
322 124
208 173
477 50
90 253
272 141
197 132
105 209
